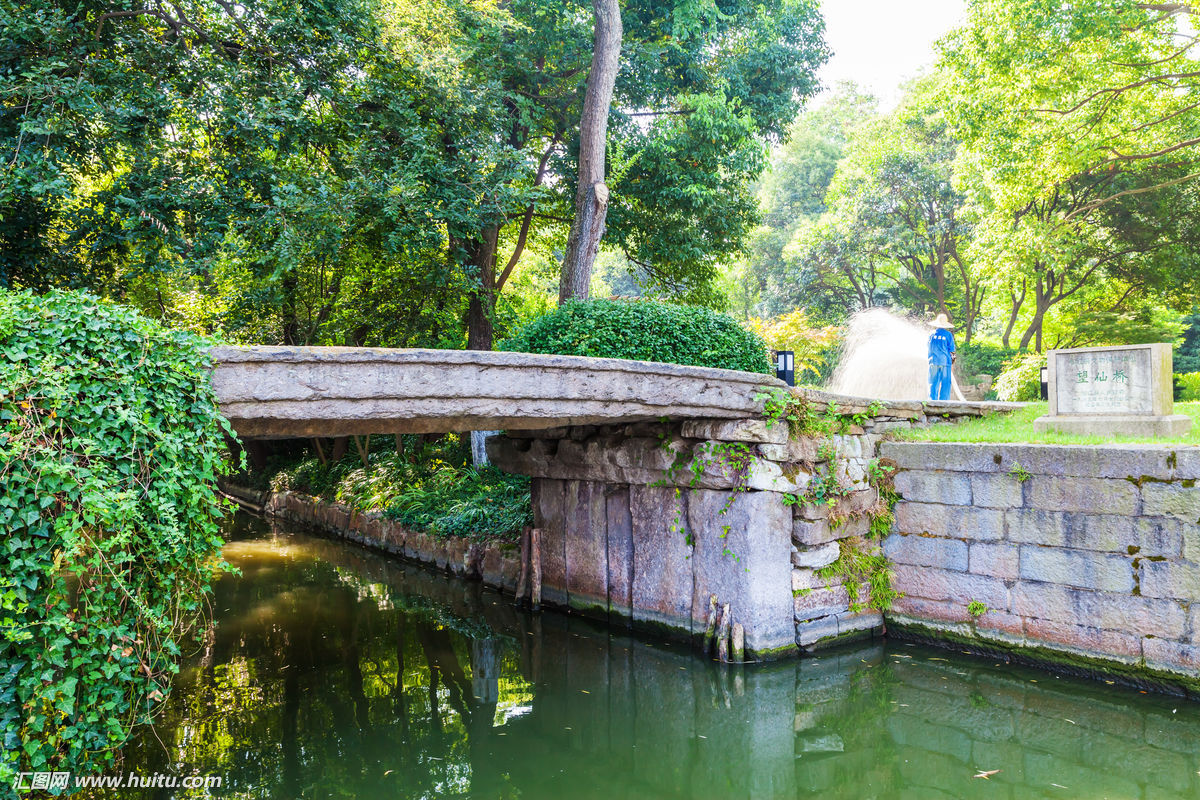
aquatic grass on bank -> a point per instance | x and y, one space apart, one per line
429 494
1018 427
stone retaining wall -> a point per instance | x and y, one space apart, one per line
497 564
644 522
1088 554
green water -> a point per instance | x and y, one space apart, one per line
335 673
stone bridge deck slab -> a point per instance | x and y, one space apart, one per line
280 392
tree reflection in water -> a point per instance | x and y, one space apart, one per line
333 672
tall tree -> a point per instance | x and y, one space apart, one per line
792 196
699 88
1047 91
1079 124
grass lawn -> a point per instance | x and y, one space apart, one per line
1018 427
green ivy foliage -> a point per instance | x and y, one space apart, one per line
110 445
644 330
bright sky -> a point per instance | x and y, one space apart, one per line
879 44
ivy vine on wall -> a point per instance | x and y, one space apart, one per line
110 445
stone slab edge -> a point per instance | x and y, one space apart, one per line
1128 461
1042 656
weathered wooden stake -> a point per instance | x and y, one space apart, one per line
535 561
711 631
320 451
739 642
363 445
399 443
723 635
523 577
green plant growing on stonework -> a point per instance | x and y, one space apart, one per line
858 564
110 445
783 405
976 609
1019 472
881 476
733 458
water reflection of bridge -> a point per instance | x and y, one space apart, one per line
338 667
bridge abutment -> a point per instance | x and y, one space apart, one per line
644 523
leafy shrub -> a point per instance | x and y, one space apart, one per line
481 504
644 331
1021 378
436 492
1189 386
983 358
110 444
815 346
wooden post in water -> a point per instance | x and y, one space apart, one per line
739 642
535 560
711 631
723 635
523 576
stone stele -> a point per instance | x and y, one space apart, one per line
1107 391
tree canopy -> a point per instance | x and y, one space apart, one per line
1036 184
369 171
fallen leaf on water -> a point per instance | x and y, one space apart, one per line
985 774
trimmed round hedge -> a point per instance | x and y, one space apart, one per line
644 330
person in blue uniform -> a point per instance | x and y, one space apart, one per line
941 358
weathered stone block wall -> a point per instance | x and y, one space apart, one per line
1083 553
644 522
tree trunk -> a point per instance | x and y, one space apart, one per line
1014 310
482 254
1043 299
291 322
591 195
